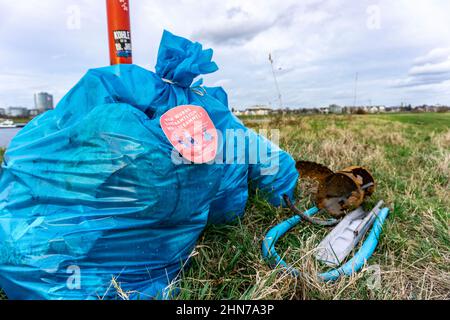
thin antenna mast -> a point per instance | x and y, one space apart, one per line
276 82
356 90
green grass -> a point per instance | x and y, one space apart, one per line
19 119
430 120
409 156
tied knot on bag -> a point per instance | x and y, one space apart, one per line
180 61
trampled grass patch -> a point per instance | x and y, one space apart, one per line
409 156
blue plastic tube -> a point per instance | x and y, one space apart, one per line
353 265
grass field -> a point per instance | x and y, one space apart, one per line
409 156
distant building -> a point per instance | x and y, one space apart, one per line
17 112
254 111
376 109
43 101
334 108
33 112
258 111
2 112
392 109
324 110
347 110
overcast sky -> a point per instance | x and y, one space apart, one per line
400 49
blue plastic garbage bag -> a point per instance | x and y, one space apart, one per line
90 197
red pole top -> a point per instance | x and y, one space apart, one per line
119 32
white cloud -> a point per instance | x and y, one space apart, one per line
431 68
435 55
431 71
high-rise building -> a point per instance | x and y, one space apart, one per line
43 101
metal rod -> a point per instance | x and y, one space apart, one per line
276 81
367 219
327 223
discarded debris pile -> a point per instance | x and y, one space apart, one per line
338 194
99 188
338 191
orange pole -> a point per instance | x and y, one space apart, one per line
119 33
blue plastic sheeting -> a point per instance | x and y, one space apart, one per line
89 191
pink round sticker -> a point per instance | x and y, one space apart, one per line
191 131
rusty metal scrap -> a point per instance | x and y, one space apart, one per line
312 170
338 191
